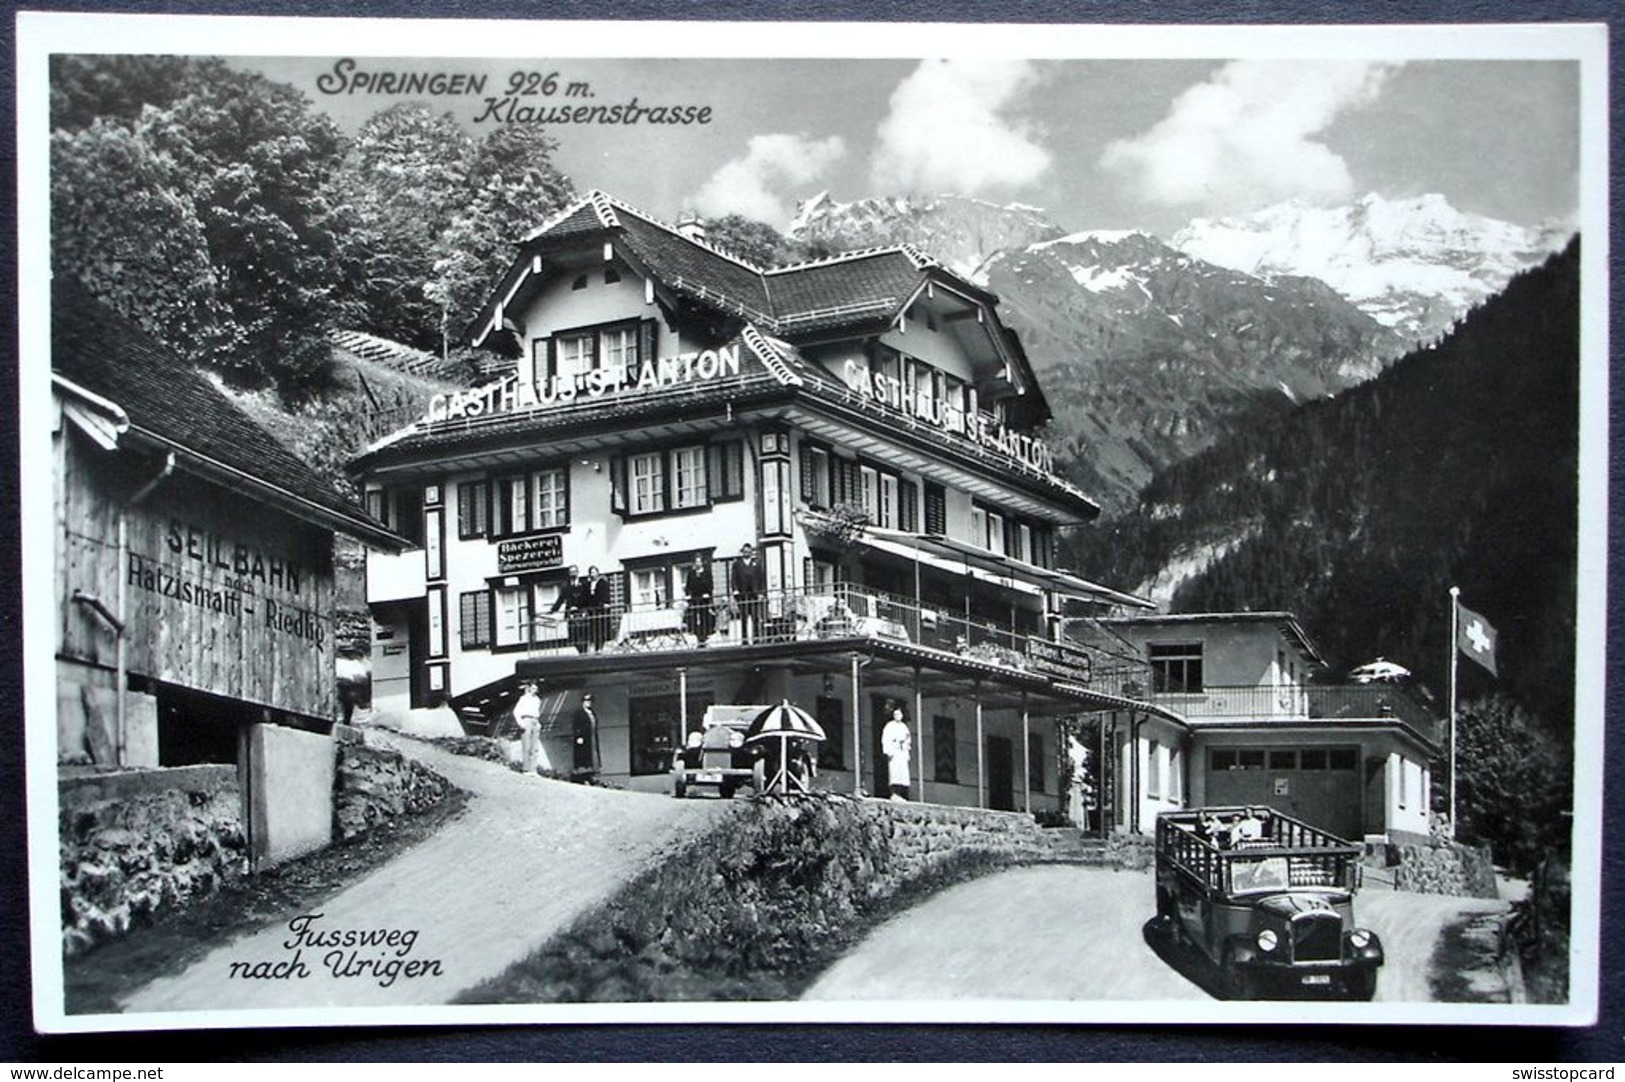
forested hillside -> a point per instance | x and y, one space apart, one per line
1456 466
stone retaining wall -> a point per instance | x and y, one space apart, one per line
375 785
133 845
1442 867
919 836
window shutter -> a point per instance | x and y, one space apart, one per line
936 510
502 498
849 470
617 484
809 484
646 343
552 358
908 507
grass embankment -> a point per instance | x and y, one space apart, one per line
755 908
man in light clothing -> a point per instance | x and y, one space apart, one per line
898 745
527 712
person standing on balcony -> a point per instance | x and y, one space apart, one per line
700 618
595 604
897 743
750 593
570 600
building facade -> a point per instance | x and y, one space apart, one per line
193 557
1263 726
865 423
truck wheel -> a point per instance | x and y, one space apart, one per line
679 786
1363 984
726 790
1165 905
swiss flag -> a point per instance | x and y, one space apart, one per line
1475 637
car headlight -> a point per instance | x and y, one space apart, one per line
1359 937
735 739
1266 940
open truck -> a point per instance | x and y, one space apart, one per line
1267 899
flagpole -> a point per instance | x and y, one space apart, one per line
1455 624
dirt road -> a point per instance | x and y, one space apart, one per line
525 859
1068 932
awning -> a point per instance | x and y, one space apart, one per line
960 556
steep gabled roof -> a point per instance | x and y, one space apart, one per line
851 289
167 403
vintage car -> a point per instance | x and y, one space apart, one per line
716 757
1268 900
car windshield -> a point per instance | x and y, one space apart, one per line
1268 873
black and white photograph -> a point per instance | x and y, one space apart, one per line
769 522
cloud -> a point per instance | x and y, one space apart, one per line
1246 137
759 184
944 131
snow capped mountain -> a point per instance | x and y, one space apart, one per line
1148 354
963 233
1415 265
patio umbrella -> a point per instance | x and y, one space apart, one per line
787 722
1380 669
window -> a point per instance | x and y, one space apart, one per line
945 749
1035 762
473 509
819 577
888 505
978 525
1312 759
869 493
620 347
1176 668
650 587
533 501
1237 759
815 482
1283 760
648 483
552 505
727 480
513 615
1342 759
995 532
908 506
1153 769
688 477
573 355
474 619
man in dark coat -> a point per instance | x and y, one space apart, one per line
700 618
570 600
595 600
750 593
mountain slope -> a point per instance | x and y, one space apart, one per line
1456 466
1146 354
1415 265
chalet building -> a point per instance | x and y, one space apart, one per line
865 422
193 556
1260 726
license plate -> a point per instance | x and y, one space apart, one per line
1317 978
710 775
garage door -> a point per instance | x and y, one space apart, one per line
1321 786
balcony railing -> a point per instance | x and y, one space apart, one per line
837 611
1301 701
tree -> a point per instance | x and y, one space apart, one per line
1513 784
514 187
238 162
403 179
753 241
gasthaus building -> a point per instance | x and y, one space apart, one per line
194 558
865 422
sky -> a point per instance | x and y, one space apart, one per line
1098 144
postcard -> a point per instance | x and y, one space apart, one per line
559 522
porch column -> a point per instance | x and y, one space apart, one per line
1026 757
857 731
919 740
682 707
981 752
